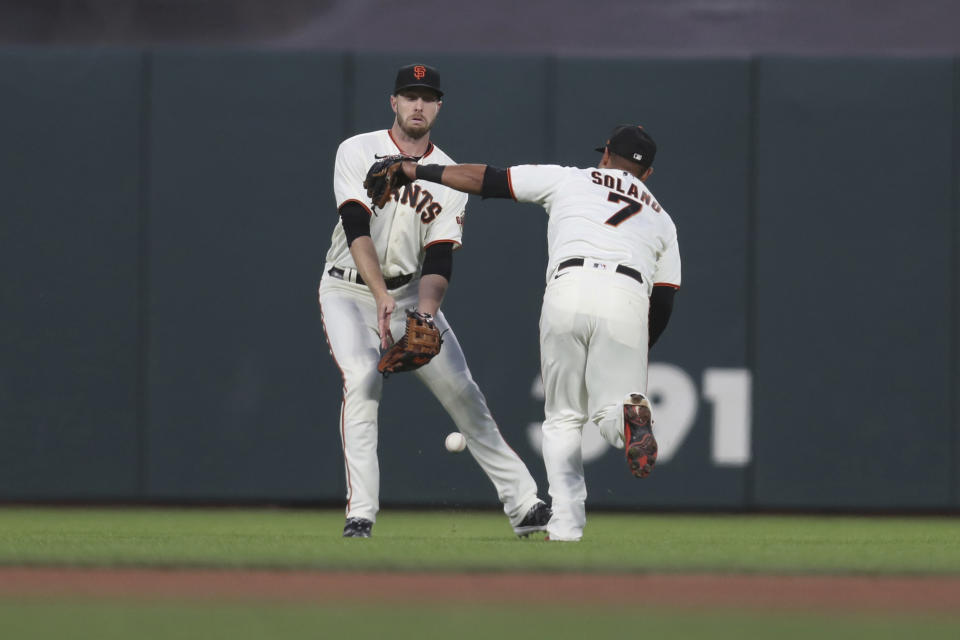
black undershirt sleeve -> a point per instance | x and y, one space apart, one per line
495 183
438 259
355 219
661 306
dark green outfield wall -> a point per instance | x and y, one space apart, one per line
165 217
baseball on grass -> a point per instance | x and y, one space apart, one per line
455 442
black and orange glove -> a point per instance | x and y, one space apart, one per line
419 344
384 177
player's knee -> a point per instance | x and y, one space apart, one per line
459 391
564 422
361 395
361 410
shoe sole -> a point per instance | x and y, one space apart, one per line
641 453
524 532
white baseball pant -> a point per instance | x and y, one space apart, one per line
350 322
593 352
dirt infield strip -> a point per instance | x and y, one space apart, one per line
907 594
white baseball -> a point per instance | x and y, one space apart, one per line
455 442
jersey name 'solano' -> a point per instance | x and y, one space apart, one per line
417 216
603 214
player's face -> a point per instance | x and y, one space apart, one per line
416 110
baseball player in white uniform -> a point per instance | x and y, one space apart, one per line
613 269
395 258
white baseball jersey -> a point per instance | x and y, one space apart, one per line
593 323
604 214
421 214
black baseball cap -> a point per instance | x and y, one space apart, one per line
633 143
417 75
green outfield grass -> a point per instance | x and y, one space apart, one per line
452 541
92 620
476 541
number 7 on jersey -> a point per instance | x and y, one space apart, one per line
633 208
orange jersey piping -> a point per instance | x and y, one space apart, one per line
394 141
362 204
510 184
456 245
343 406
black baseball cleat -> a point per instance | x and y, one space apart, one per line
536 520
357 528
640 445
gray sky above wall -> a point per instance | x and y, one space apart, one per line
596 27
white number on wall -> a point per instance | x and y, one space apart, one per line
729 391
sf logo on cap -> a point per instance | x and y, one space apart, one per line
419 71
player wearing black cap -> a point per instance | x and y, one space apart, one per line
613 269
400 256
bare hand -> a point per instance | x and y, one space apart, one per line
409 169
385 307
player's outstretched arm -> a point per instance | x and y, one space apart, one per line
462 177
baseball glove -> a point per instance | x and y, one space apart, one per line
420 342
383 177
